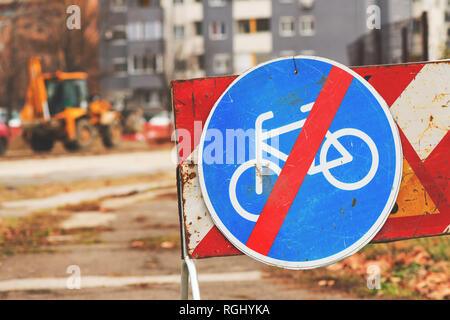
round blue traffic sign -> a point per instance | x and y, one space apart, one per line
300 162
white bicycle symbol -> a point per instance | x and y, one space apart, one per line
324 166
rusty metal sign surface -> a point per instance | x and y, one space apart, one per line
418 97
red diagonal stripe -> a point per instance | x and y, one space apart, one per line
299 161
421 171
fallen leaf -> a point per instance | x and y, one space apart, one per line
168 245
322 283
137 244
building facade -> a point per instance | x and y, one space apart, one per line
132 54
147 43
234 35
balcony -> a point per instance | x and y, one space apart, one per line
188 12
190 46
146 81
260 42
252 9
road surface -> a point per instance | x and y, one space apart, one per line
71 168
111 268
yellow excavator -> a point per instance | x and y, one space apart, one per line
57 107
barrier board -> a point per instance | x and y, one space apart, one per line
418 96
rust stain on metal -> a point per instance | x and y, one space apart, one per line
438 97
196 220
192 175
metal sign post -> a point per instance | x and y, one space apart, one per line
188 270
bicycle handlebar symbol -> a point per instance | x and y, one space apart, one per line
324 166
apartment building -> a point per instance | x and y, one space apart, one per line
184 39
233 36
147 43
132 54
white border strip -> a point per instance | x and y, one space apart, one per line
111 282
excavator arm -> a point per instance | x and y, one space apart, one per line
36 105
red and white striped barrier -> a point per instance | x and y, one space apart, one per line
419 98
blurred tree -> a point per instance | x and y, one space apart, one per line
38 28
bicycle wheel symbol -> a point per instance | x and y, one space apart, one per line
233 184
332 139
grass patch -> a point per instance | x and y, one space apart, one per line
41 231
28 234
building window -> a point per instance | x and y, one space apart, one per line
135 31
217 3
198 25
287 26
177 1
118 34
307 26
243 26
221 63
145 64
118 5
178 32
217 30
262 25
120 66
148 31
153 30
253 25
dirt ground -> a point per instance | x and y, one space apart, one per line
142 240
107 228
